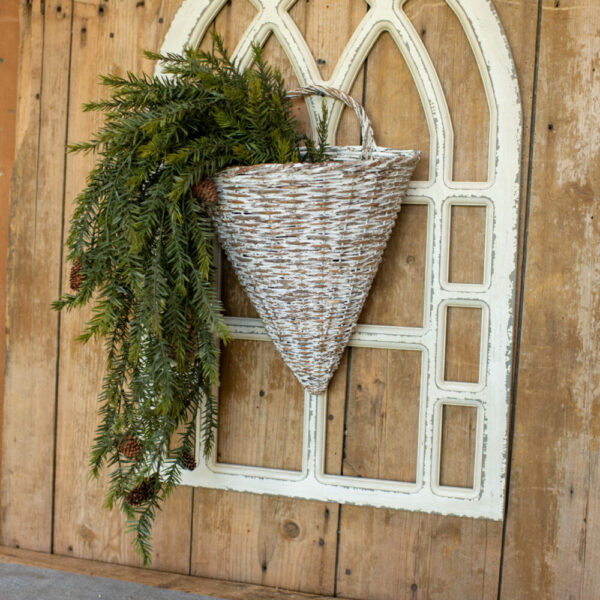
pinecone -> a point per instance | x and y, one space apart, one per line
130 447
75 278
188 461
143 492
205 191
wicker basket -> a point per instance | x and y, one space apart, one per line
306 239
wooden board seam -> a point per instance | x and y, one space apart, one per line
60 278
520 291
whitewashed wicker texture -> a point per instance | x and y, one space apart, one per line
305 241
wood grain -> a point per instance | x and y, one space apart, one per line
382 414
393 103
336 417
275 55
235 300
397 296
459 431
552 543
327 27
466 258
265 540
33 281
261 408
111 40
453 59
395 555
231 22
9 53
463 344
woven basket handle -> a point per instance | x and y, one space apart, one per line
366 131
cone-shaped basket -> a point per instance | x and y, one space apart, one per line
306 239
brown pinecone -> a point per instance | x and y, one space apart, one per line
75 278
188 461
143 492
130 447
205 191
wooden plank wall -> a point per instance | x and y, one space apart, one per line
33 268
9 55
549 542
553 528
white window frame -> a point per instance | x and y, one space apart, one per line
495 296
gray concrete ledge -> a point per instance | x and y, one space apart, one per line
18 582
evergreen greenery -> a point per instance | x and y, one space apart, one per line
143 249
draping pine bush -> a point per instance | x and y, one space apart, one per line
141 248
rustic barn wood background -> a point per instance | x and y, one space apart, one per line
549 543
9 52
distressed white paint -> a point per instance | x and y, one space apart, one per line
500 194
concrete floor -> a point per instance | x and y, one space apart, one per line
18 582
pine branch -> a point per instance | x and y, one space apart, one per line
144 246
